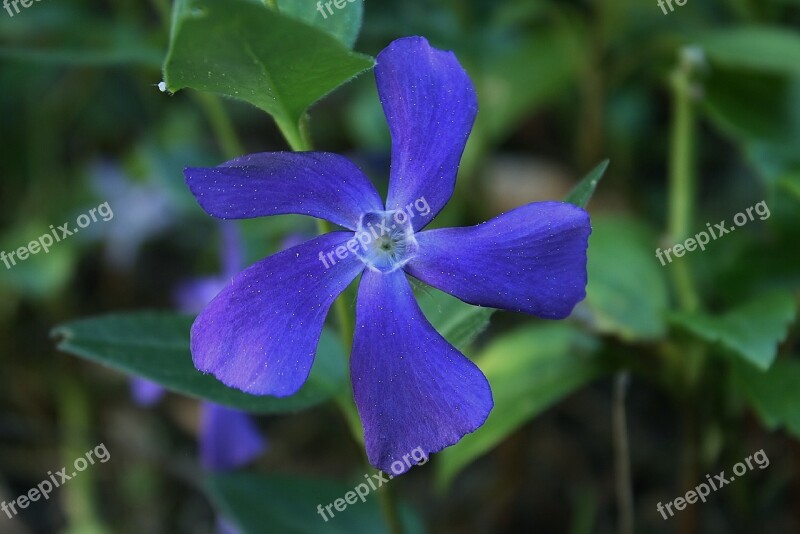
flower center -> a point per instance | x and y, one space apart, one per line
386 240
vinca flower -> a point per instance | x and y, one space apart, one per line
228 438
411 387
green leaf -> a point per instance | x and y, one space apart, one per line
69 34
515 78
289 505
155 345
95 56
770 49
458 322
754 106
751 331
41 275
529 370
582 193
774 394
343 24
626 292
776 165
791 184
244 50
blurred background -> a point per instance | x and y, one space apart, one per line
562 85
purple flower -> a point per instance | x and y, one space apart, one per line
228 438
411 387
145 393
149 212
192 295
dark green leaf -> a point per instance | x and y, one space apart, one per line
769 49
72 35
516 78
277 503
752 106
791 184
583 192
155 345
529 370
244 50
111 54
774 164
627 289
774 394
41 276
458 322
752 331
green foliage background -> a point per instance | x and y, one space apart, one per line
698 112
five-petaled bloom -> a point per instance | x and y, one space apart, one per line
412 388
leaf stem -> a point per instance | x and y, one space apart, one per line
297 134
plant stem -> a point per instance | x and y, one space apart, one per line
220 124
164 9
681 213
681 179
622 461
299 139
73 406
389 507
687 523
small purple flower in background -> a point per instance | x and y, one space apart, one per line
148 212
146 393
228 438
193 295
412 388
